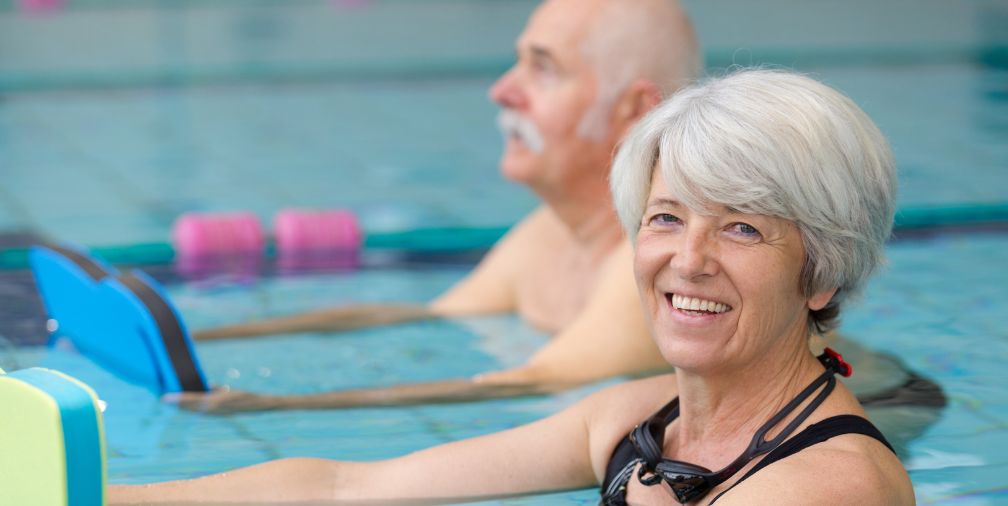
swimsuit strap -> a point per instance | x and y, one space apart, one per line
615 489
812 435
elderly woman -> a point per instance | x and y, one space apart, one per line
758 204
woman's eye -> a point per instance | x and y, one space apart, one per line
663 219
745 229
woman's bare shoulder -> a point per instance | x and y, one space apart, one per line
847 469
640 397
611 413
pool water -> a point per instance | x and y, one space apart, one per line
109 147
219 105
954 336
262 148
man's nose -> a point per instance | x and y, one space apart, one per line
506 92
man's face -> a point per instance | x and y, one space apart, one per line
549 89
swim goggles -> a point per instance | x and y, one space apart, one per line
689 481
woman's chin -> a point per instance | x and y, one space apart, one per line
691 356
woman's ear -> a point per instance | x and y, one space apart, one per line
819 300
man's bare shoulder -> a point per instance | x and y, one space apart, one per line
492 285
620 259
537 231
541 224
542 230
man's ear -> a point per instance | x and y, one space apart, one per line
819 300
637 99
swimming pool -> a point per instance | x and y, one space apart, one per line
953 336
100 161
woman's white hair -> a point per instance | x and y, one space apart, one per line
774 143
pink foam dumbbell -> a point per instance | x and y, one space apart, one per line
301 230
40 6
207 235
316 238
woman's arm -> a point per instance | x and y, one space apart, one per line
550 454
567 450
287 480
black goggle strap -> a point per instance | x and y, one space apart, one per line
834 365
648 438
760 445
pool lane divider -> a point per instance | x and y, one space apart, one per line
53 440
434 240
950 215
121 320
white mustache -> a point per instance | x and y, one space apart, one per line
513 124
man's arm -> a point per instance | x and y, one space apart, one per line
610 337
488 289
225 401
337 319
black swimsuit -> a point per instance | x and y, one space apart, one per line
625 458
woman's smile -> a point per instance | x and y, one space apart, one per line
695 309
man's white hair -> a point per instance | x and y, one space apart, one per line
634 39
774 143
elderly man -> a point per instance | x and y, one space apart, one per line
586 71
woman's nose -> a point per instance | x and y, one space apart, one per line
693 257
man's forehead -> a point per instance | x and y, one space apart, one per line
558 27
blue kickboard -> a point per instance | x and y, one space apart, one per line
67 281
124 322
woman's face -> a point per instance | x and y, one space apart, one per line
721 290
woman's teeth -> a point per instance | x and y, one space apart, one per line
695 304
